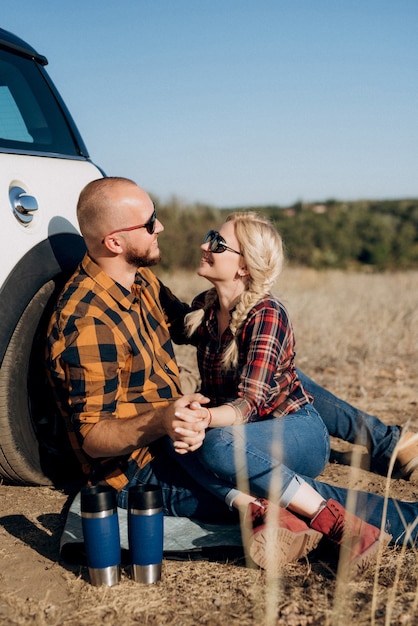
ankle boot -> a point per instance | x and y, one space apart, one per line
407 457
277 536
349 532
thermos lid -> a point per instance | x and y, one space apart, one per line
97 498
143 497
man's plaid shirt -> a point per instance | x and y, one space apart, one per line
109 355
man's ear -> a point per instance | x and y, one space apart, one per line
113 243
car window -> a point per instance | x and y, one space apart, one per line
30 116
12 125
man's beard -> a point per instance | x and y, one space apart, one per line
141 261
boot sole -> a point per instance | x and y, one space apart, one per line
273 547
409 468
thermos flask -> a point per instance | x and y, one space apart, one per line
145 532
100 525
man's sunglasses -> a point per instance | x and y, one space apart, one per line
217 243
150 226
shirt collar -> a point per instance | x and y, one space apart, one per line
116 291
212 322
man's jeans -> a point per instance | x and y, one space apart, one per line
182 495
350 424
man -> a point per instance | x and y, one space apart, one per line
110 357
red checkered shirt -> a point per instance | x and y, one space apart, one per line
265 383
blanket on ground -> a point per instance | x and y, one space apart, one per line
182 537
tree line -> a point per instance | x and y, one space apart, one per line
381 235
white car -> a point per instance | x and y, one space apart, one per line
44 165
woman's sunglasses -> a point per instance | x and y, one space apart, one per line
217 243
150 226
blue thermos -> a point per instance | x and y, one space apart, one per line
100 524
145 532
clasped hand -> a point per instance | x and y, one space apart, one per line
190 422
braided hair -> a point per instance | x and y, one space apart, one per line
262 249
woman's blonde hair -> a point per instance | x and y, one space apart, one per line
262 249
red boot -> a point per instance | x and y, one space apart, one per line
360 539
281 539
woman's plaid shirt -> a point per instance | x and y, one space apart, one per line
265 383
109 354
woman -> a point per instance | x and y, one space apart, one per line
263 425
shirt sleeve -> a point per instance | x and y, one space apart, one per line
93 358
175 311
268 373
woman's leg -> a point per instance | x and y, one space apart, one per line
400 518
227 453
298 442
348 423
190 463
282 447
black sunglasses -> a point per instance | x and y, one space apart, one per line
217 243
150 226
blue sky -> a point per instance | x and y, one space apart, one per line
238 102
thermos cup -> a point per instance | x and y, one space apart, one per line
100 525
145 532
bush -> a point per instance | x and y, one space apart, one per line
380 235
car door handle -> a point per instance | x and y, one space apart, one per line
23 205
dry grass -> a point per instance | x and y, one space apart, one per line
357 334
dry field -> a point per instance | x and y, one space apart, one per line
356 334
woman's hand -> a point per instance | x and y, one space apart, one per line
190 423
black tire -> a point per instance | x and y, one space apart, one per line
33 446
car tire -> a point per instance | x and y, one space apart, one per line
33 445
19 458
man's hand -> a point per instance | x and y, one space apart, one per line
183 420
190 422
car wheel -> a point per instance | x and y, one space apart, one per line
33 445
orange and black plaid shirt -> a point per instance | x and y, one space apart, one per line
109 355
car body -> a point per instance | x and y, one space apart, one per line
44 164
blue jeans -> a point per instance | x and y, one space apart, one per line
283 447
182 495
350 424
265 474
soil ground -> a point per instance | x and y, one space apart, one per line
37 587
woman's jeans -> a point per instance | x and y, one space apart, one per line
213 466
266 475
350 424
181 486
276 449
